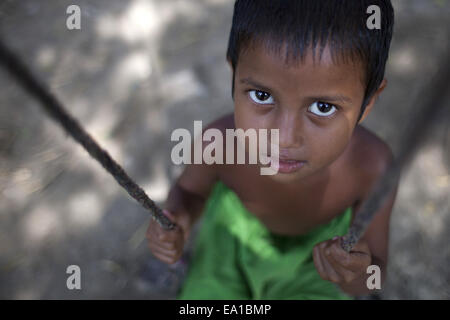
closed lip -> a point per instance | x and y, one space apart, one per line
289 165
282 159
290 160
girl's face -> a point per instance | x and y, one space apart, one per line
315 105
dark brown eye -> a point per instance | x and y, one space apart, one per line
324 107
261 97
320 108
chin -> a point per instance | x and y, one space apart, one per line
287 177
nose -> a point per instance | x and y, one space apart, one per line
291 128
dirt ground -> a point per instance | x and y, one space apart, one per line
136 71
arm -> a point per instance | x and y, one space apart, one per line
348 270
192 188
188 195
184 206
375 244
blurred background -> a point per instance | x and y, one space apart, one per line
136 71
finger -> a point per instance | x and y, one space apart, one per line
170 235
154 229
361 247
155 224
318 263
346 274
340 256
359 261
320 260
331 272
162 244
354 261
181 220
157 235
164 252
157 246
171 258
151 230
168 260
160 255
170 215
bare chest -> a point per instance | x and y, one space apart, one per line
291 211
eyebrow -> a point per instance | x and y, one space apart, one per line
253 83
334 98
330 98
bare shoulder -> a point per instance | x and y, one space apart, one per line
370 155
224 122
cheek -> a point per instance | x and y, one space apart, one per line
326 144
240 118
245 117
240 115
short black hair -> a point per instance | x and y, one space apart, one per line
304 24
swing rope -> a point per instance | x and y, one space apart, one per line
54 108
411 137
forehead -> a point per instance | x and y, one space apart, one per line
319 73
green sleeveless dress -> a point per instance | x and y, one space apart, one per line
236 257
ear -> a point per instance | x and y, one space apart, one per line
373 99
232 78
231 67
